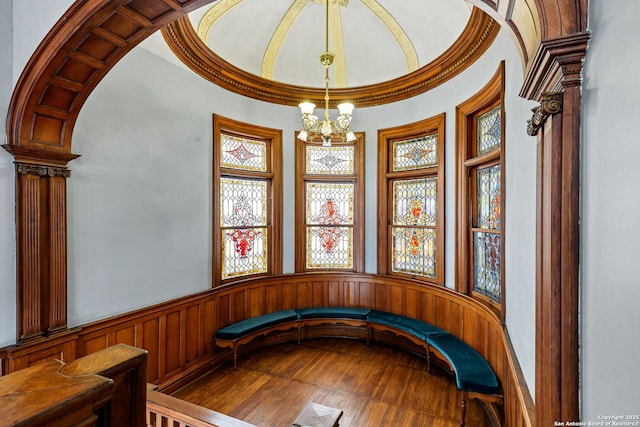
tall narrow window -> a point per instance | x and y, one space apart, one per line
246 200
330 206
480 184
411 200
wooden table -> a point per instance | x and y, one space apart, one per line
314 415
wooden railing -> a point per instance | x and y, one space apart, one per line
178 334
164 410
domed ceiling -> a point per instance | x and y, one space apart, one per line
373 40
269 49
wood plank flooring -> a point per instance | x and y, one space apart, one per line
374 385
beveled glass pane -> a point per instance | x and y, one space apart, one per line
335 160
488 198
486 264
488 131
243 202
329 203
242 153
415 153
329 247
244 252
413 251
414 201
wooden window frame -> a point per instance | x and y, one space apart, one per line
467 164
386 176
273 177
358 202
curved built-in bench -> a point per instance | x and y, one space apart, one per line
474 376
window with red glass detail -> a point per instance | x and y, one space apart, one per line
247 188
411 191
329 206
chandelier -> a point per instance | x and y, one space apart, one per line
311 124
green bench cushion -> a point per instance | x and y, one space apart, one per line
473 372
415 327
333 313
244 327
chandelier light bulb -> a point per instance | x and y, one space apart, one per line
346 108
307 107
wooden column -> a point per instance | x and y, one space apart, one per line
41 241
555 81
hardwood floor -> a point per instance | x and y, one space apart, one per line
374 385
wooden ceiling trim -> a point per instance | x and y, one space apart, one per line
477 36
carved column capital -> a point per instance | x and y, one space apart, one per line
551 103
40 170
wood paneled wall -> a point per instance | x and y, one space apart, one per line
178 334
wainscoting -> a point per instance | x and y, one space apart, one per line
178 334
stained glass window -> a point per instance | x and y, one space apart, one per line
480 219
486 245
243 202
415 153
329 247
414 201
329 203
247 189
489 131
410 189
413 251
486 262
329 219
243 221
329 226
330 160
242 153
488 197
414 207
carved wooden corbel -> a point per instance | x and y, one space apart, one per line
550 104
40 170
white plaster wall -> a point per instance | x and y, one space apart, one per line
7 192
140 195
610 263
32 20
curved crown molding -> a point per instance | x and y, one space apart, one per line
475 39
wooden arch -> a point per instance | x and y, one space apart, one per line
93 35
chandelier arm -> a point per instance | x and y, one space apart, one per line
310 123
342 122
